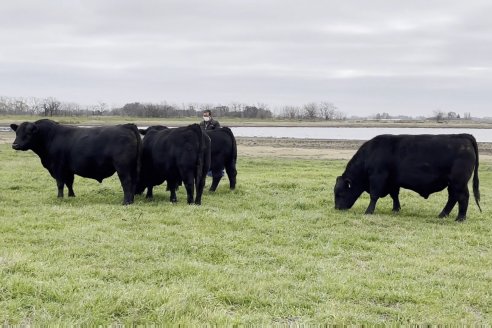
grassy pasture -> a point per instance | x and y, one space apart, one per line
274 251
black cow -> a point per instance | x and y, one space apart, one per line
175 155
94 153
224 155
423 163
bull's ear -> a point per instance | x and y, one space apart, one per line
348 183
142 131
34 128
14 127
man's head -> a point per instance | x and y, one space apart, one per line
207 114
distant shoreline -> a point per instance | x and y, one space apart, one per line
5 121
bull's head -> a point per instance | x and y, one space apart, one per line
25 135
346 193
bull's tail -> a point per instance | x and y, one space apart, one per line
234 145
199 164
135 130
476 191
203 161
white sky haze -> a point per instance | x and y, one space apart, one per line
400 57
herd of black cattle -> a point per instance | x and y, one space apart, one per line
423 163
179 155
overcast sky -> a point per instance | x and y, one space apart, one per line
401 57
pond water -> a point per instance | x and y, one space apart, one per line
482 135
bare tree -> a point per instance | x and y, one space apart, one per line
310 111
237 109
35 105
291 112
452 115
439 115
51 106
70 109
4 106
327 110
339 116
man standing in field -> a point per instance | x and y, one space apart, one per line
209 123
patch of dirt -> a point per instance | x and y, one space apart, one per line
7 137
314 148
295 148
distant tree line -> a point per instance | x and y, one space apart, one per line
313 111
49 106
438 115
259 111
52 107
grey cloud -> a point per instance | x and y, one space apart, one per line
365 57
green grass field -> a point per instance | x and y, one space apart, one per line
274 251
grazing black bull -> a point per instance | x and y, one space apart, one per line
423 163
224 155
175 155
95 153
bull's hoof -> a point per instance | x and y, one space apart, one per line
396 210
211 190
442 215
461 218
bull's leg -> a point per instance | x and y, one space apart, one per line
150 192
231 174
200 184
59 185
216 176
396 200
372 205
128 188
172 186
173 198
69 183
376 182
463 198
452 200
190 190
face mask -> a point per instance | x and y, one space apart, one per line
206 118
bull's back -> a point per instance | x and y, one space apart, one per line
223 142
170 148
96 152
427 163
439 152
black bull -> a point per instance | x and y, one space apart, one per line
95 153
175 155
423 163
224 155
